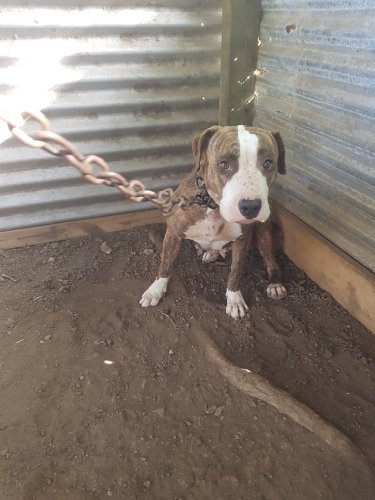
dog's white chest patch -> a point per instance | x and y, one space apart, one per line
213 232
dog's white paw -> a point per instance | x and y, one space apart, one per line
154 293
276 291
210 256
236 305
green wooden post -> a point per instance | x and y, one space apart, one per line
241 21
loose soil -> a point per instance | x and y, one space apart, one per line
101 398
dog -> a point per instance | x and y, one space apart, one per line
234 169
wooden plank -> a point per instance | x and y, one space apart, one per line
239 54
96 227
352 285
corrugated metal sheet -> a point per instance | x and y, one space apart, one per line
131 81
316 85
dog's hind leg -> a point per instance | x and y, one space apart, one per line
171 247
210 256
264 242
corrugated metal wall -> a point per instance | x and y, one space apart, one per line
131 81
316 85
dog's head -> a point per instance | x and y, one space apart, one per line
238 165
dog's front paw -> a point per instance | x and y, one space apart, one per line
236 305
276 291
154 293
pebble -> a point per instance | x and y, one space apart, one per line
5 453
48 337
51 259
147 484
105 248
10 322
328 354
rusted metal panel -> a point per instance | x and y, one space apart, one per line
316 85
129 81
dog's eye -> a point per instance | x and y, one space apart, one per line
224 166
267 164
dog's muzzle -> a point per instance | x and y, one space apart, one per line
250 208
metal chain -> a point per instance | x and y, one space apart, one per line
57 145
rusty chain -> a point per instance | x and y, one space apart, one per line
57 145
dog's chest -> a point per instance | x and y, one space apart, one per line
213 232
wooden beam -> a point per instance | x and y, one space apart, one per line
96 227
352 285
239 53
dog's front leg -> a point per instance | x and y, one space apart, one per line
265 244
236 305
171 247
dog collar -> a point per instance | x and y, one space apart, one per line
202 198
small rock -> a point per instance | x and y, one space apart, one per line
10 322
51 259
147 484
82 377
210 410
159 411
5 453
170 352
148 251
48 337
219 411
328 354
54 245
105 248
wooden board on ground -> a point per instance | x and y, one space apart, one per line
352 285
96 227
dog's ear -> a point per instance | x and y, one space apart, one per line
200 144
281 160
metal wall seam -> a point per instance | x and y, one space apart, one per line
316 85
129 81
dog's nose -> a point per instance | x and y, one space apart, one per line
250 208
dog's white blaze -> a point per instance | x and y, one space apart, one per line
248 183
213 232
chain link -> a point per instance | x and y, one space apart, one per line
57 145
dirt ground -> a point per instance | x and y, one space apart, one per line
101 398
